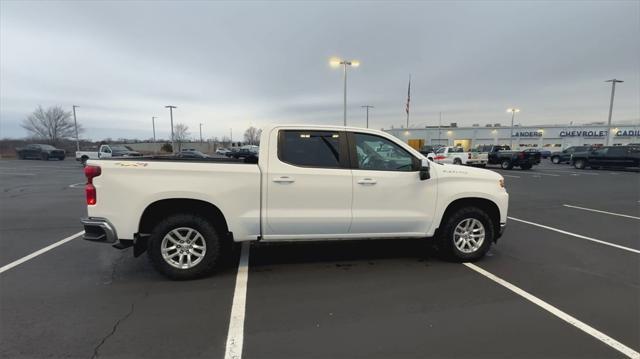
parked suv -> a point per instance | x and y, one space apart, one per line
564 156
38 151
609 156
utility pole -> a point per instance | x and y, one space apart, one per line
439 124
613 93
367 107
200 133
408 101
75 123
153 124
173 145
231 136
513 111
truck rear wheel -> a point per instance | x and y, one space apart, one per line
457 161
580 164
555 160
184 246
466 235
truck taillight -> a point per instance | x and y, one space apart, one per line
90 190
469 155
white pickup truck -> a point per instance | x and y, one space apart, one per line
458 156
106 151
309 183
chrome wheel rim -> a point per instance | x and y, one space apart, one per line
183 248
468 235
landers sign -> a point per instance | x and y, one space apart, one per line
583 133
527 134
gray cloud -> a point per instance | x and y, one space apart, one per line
232 64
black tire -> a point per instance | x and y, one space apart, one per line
595 167
61 158
526 167
20 156
580 164
445 238
211 256
45 157
506 165
457 161
555 160
83 160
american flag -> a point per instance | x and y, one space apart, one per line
408 95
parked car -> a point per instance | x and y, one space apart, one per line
41 152
458 156
564 156
608 156
245 152
310 183
192 154
222 151
507 159
106 151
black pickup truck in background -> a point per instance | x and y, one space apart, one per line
609 156
507 159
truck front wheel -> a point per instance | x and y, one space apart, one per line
184 246
466 235
506 165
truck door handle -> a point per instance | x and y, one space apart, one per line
283 179
366 181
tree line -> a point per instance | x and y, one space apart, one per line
54 124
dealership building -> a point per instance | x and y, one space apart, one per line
553 137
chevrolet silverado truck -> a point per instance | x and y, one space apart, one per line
106 151
507 159
309 183
458 156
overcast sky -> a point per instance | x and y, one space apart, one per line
232 65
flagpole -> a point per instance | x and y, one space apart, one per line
408 100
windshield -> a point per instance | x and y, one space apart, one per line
121 148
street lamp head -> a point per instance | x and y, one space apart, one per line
335 62
354 63
170 106
516 110
614 80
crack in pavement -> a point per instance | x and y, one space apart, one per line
96 350
113 331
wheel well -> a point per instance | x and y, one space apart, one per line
159 210
487 205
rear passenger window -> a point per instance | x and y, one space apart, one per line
310 148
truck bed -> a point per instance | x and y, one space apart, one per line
127 186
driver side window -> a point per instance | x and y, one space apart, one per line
379 154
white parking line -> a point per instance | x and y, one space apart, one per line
577 235
599 211
17 174
572 172
503 175
235 336
39 252
559 313
77 185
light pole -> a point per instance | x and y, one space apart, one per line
613 93
335 62
513 111
367 107
200 133
153 124
173 145
75 123
231 136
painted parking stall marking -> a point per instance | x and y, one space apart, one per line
559 313
39 252
576 235
235 336
600 211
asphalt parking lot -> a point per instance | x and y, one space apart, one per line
387 299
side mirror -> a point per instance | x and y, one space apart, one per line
424 170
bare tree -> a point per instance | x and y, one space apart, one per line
252 136
52 125
180 134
